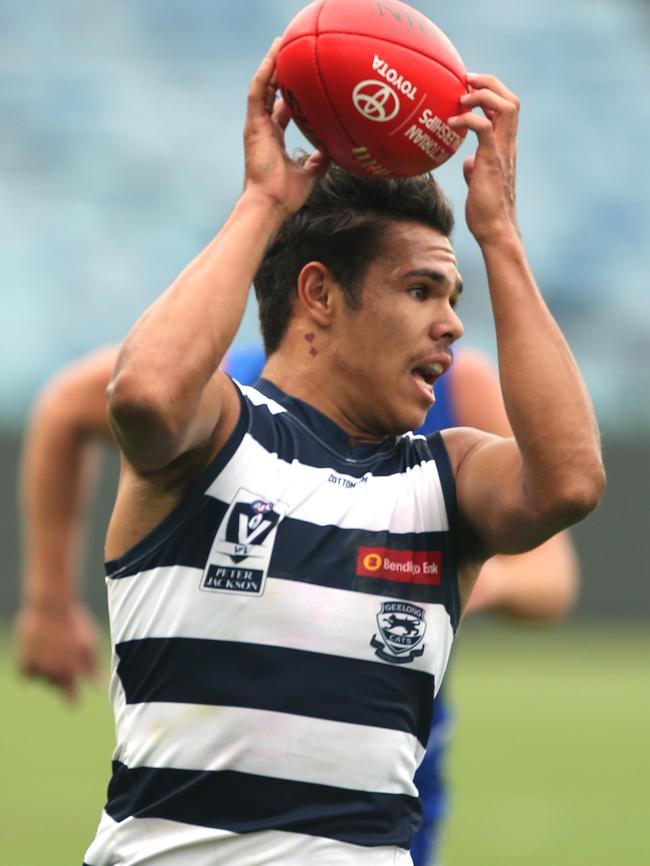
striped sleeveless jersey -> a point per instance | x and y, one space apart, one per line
278 639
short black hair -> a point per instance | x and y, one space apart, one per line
342 225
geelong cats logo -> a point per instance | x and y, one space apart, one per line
401 627
240 555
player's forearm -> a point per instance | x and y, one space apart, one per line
541 584
175 348
57 470
546 399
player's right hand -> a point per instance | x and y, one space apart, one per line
270 171
57 643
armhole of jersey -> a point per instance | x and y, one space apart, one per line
190 503
439 451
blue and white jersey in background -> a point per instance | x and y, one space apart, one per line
278 639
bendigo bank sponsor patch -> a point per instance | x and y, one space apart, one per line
406 566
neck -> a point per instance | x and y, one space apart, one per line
313 380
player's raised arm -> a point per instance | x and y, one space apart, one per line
515 493
165 399
55 633
542 583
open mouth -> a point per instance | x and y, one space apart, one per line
425 375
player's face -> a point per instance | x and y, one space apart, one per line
393 349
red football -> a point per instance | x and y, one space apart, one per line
372 84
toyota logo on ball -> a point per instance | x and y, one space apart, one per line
375 100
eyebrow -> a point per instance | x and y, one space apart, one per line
435 277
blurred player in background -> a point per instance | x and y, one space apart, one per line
56 633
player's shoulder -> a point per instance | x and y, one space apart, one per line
461 442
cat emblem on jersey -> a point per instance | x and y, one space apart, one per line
241 551
402 627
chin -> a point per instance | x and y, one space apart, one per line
409 420
419 422
397 418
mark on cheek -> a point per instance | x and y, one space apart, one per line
313 352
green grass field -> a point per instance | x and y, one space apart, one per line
550 764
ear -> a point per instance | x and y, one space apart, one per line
315 290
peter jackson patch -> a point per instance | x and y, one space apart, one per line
241 551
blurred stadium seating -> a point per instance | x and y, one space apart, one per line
120 155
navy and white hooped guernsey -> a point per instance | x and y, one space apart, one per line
277 642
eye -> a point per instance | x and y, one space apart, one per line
419 292
454 300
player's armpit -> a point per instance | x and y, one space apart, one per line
147 495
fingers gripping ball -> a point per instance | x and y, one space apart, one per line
372 85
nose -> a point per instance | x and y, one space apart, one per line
448 327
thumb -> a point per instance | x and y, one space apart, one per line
468 168
317 164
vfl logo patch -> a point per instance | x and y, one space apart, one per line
241 551
404 566
401 627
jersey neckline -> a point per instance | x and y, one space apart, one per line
323 427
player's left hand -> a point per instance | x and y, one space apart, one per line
490 172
